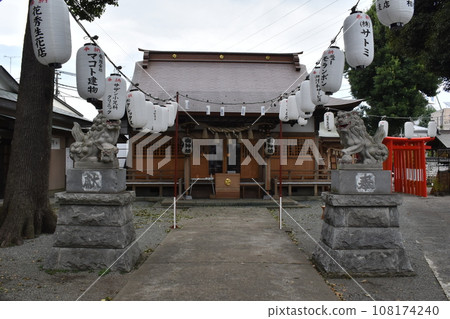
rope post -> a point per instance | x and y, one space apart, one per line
281 177
175 179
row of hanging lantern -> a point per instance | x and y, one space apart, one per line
50 28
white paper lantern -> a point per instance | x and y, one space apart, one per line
173 109
395 13
283 115
243 108
301 121
332 70
263 110
150 118
432 129
50 32
90 72
136 109
318 97
292 108
409 129
208 110
303 98
328 119
115 97
385 126
358 40
165 119
222 111
158 125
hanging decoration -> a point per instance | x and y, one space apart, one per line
395 13
222 111
136 107
358 40
165 119
301 121
292 108
115 97
318 97
328 119
303 98
158 124
208 110
243 110
263 110
283 115
50 32
90 67
409 129
432 129
173 110
332 70
150 115
385 125
186 104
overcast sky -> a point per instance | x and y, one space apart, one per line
268 26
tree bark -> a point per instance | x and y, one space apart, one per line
26 209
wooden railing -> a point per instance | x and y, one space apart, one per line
302 178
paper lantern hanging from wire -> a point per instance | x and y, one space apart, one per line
150 117
303 98
332 70
358 40
283 114
432 129
50 32
165 119
385 125
173 109
409 129
90 72
292 108
318 97
115 97
302 121
158 125
328 119
136 109
395 13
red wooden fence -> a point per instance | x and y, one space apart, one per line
407 162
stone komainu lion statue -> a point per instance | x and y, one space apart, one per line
356 140
98 145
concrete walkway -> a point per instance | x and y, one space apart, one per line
226 253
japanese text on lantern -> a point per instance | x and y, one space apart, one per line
318 88
327 60
95 63
38 33
366 27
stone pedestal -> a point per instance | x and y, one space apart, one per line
361 227
95 223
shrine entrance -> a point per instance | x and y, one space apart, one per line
407 161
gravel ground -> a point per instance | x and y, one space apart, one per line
423 286
22 276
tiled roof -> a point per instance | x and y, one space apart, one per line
228 78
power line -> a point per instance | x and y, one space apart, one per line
251 35
290 27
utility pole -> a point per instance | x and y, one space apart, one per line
10 57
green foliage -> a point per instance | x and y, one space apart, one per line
91 9
427 37
393 85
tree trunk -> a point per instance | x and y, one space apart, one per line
26 209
